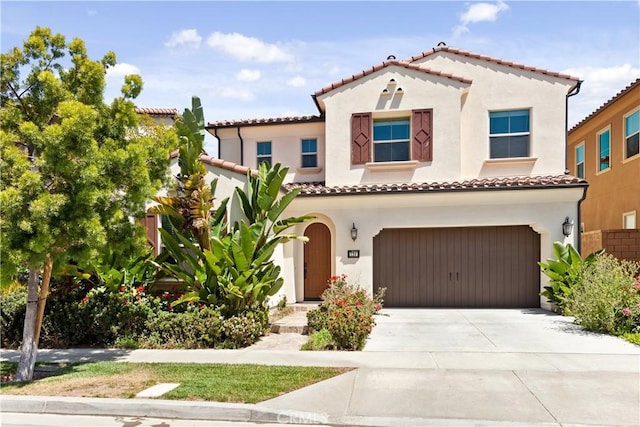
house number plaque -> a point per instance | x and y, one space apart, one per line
354 253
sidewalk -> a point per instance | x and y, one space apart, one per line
392 388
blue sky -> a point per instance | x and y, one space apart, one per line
264 59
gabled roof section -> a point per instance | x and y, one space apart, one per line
157 111
385 64
510 183
499 61
619 95
264 122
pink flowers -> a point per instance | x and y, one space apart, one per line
626 311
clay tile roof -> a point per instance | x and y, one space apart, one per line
404 64
606 104
223 164
157 111
490 59
264 122
508 183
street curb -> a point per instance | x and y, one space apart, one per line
217 411
155 408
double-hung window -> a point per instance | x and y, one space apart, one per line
580 161
509 134
631 134
604 150
391 140
264 152
310 153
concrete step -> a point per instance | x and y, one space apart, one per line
295 323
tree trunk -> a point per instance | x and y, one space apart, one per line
36 302
29 349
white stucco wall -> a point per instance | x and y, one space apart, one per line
497 87
543 210
286 148
419 91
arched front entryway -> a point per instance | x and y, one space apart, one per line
317 260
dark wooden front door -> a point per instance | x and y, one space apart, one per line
317 260
458 267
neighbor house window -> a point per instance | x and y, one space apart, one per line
509 134
631 134
310 153
391 140
580 161
629 220
264 152
604 148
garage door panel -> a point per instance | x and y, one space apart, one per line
458 267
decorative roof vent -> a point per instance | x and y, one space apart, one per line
391 57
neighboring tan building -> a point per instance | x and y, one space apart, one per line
603 149
440 177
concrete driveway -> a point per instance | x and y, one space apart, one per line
488 330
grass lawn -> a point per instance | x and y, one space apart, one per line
214 382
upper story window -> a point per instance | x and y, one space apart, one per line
509 134
310 153
604 150
580 161
391 140
631 134
264 152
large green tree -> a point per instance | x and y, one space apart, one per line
75 172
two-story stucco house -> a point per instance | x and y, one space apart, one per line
440 177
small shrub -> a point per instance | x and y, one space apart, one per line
346 311
608 297
320 340
13 305
242 330
193 328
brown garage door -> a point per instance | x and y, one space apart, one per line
458 267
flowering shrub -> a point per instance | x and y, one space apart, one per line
346 311
608 297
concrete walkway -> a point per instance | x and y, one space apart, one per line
575 379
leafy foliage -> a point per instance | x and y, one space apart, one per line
227 268
564 272
608 297
346 312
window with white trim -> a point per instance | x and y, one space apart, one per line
309 153
391 140
632 134
264 152
509 134
604 150
629 220
580 161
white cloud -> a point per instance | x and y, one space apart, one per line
600 85
122 69
297 81
241 94
246 75
479 12
188 38
246 48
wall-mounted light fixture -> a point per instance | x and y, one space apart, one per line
354 232
567 227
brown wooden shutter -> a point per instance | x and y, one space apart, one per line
150 222
422 135
360 138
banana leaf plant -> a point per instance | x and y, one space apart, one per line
564 272
189 203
